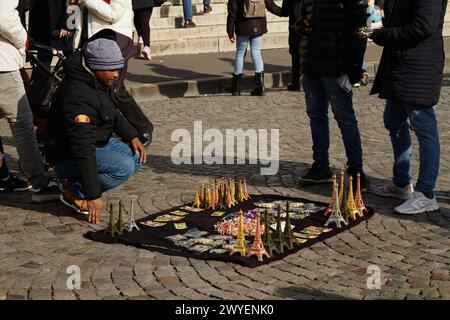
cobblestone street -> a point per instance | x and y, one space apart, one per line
39 242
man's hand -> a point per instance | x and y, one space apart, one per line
63 33
137 146
95 210
233 39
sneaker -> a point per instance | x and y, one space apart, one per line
48 193
417 203
357 85
391 190
189 24
70 200
13 184
363 181
207 9
146 53
293 86
317 175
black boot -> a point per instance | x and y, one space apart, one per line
236 87
259 89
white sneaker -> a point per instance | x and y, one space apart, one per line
146 52
391 190
418 203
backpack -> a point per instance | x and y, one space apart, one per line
254 9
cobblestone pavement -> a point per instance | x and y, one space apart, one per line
38 243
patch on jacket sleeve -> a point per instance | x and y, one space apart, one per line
82 118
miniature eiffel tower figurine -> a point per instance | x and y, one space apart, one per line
267 236
240 196
288 236
257 248
229 200
350 204
131 221
120 224
212 197
280 241
341 190
233 191
111 229
246 194
336 215
360 206
241 244
332 198
197 203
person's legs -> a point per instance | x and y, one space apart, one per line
342 106
241 49
255 46
144 24
294 43
137 21
395 121
424 124
317 110
116 163
14 106
187 10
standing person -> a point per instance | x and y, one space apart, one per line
243 30
292 9
142 13
14 103
409 78
48 25
331 58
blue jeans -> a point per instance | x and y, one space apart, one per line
319 93
422 120
206 2
187 9
116 163
241 51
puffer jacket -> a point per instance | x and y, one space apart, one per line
412 64
12 37
329 45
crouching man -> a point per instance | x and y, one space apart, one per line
82 121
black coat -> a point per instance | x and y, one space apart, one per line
329 43
46 16
80 93
413 58
252 27
140 4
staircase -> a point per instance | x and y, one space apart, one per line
169 37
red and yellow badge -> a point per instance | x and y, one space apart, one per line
82 118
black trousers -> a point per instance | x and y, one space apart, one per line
142 23
294 47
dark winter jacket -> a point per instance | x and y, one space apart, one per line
412 63
252 27
82 117
47 16
140 4
329 43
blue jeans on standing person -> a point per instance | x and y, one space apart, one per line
187 10
116 163
319 93
422 120
241 51
206 2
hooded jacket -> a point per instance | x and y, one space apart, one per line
83 117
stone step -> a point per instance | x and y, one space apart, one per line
206 31
168 10
200 20
212 44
